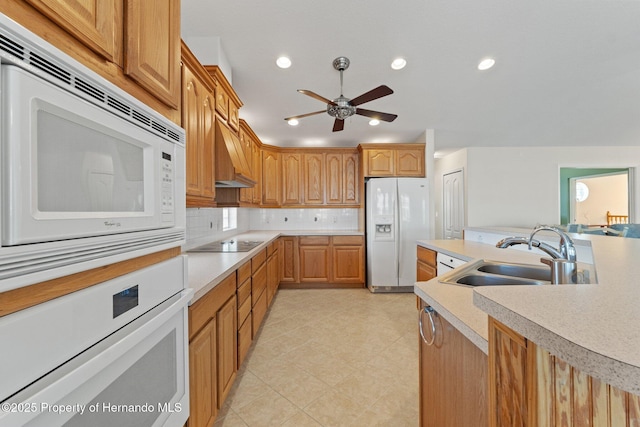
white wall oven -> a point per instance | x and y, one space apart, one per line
114 354
87 172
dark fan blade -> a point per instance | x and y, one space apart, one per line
338 125
376 93
376 115
301 116
316 96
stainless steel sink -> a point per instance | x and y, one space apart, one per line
518 270
493 273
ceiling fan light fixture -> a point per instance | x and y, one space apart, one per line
486 63
374 122
283 62
398 63
293 122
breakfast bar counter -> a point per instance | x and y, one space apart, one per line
593 327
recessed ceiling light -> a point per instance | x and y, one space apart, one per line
398 63
374 122
293 122
283 62
486 63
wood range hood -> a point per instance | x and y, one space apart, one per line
232 168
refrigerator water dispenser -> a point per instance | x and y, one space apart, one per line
384 228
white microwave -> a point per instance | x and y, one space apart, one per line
87 172
72 169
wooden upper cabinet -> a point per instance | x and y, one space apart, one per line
335 179
351 180
257 172
270 178
227 102
400 160
410 162
152 50
198 118
380 162
314 179
291 179
95 23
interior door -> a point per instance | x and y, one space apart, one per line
453 204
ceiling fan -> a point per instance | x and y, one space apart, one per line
343 107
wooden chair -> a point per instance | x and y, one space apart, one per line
616 219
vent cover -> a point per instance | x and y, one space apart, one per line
19 50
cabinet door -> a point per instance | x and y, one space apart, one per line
257 173
335 179
314 263
222 102
313 179
152 52
348 264
379 162
291 179
227 356
425 272
273 275
351 180
508 370
410 162
197 120
270 178
246 194
203 397
95 23
290 262
453 378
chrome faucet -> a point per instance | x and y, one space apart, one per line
563 260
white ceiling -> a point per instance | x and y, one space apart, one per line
567 71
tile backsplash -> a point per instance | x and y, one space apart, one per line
304 219
204 225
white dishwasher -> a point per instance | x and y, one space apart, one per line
447 263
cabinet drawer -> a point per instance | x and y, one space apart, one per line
427 256
206 307
257 314
244 291
244 272
314 240
243 310
258 283
348 240
272 247
244 339
258 260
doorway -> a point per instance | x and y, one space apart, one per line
590 193
453 204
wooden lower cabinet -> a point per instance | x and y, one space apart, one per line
203 407
530 387
347 257
327 261
273 271
453 378
227 331
315 259
426 264
212 351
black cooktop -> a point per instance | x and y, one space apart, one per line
227 246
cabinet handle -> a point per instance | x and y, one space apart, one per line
430 312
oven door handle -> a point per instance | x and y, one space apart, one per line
62 386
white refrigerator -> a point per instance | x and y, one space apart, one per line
397 216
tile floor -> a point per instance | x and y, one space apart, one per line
330 357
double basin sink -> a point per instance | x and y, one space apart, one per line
493 273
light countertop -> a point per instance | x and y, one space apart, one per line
208 269
592 327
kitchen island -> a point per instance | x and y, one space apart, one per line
592 328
